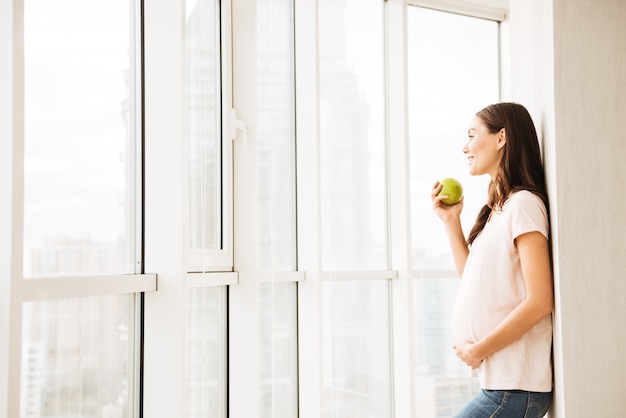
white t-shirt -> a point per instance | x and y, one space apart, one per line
492 286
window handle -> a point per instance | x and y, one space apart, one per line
237 125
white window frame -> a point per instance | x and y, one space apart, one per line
11 205
244 303
484 9
309 226
219 260
166 249
14 289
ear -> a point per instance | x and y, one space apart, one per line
501 139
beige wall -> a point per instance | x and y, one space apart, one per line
569 67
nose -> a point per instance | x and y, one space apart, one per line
465 149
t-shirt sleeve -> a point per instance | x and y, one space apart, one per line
529 214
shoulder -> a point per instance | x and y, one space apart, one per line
525 199
527 213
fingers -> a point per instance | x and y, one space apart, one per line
445 212
460 352
434 194
436 189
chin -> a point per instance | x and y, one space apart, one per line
476 173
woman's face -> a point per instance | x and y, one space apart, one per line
483 149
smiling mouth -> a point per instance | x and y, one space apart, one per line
470 160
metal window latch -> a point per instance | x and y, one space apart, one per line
236 125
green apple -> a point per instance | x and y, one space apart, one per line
453 189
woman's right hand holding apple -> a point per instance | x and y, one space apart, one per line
451 217
447 213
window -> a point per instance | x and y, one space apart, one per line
78 357
277 233
81 236
353 135
279 345
356 349
188 207
453 72
206 367
80 206
353 209
301 269
207 202
276 136
203 132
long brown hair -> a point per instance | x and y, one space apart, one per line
521 166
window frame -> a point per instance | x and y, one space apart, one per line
484 9
218 260
16 290
166 245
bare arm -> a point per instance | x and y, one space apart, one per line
535 262
451 217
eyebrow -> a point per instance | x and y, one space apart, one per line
470 130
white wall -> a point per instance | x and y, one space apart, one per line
590 110
569 67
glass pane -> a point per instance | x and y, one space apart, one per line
78 358
443 384
203 101
279 358
206 385
356 349
276 135
80 124
453 73
352 135
277 207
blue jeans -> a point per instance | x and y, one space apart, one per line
507 404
